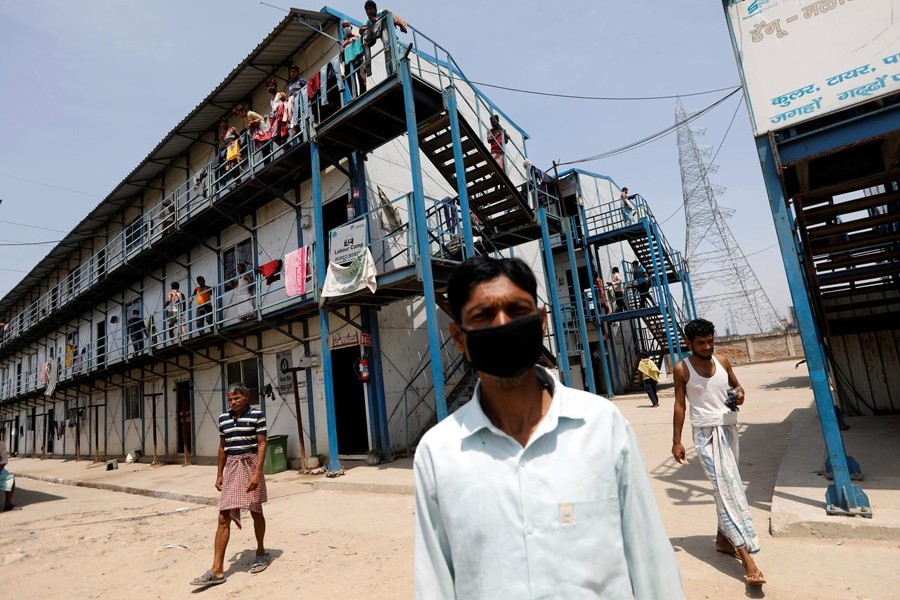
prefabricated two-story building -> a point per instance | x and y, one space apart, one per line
295 232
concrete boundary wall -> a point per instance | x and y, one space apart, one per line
760 347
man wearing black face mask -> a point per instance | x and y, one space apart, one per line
532 489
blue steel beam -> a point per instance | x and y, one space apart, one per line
841 497
595 296
579 306
670 303
422 242
562 352
464 214
334 463
377 371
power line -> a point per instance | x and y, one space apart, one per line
17 243
603 98
655 136
12 270
760 251
712 160
49 185
33 226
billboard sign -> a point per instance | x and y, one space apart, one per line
801 59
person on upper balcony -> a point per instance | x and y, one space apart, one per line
628 208
641 283
353 57
617 284
497 138
374 29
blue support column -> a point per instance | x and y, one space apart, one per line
458 159
422 243
579 306
334 463
562 352
595 296
659 274
690 292
383 437
841 497
670 303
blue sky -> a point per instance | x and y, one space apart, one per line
90 87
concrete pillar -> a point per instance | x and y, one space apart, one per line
751 355
790 344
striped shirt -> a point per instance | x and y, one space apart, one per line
240 434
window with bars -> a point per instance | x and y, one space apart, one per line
133 402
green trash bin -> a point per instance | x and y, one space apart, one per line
276 454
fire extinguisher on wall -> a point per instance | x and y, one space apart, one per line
362 369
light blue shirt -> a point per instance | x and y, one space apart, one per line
570 515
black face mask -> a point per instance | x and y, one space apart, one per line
507 350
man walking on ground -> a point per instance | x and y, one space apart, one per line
532 489
242 451
650 376
709 385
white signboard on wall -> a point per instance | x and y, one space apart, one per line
346 242
801 59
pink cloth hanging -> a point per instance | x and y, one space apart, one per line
295 270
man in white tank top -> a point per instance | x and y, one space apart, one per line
709 385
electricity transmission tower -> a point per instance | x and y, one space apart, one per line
724 283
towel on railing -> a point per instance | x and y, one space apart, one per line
271 271
296 271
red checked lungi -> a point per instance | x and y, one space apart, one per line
235 497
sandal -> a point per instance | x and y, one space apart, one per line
208 578
755 580
260 563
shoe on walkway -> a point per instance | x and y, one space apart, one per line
208 578
260 564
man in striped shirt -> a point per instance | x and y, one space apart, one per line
242 451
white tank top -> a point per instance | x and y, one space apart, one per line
707 395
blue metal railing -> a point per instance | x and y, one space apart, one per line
243 297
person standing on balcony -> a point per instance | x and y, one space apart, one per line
649 376
175 310
497 138
374 29
137 330
708 383
496 516
354 59
641 283
628 209
243 293
203 298
618 290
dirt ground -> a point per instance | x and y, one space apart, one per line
72 542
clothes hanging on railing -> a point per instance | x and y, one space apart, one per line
335 68
297 270
323 91
60 429
313 85
45 367
271 271
52 376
